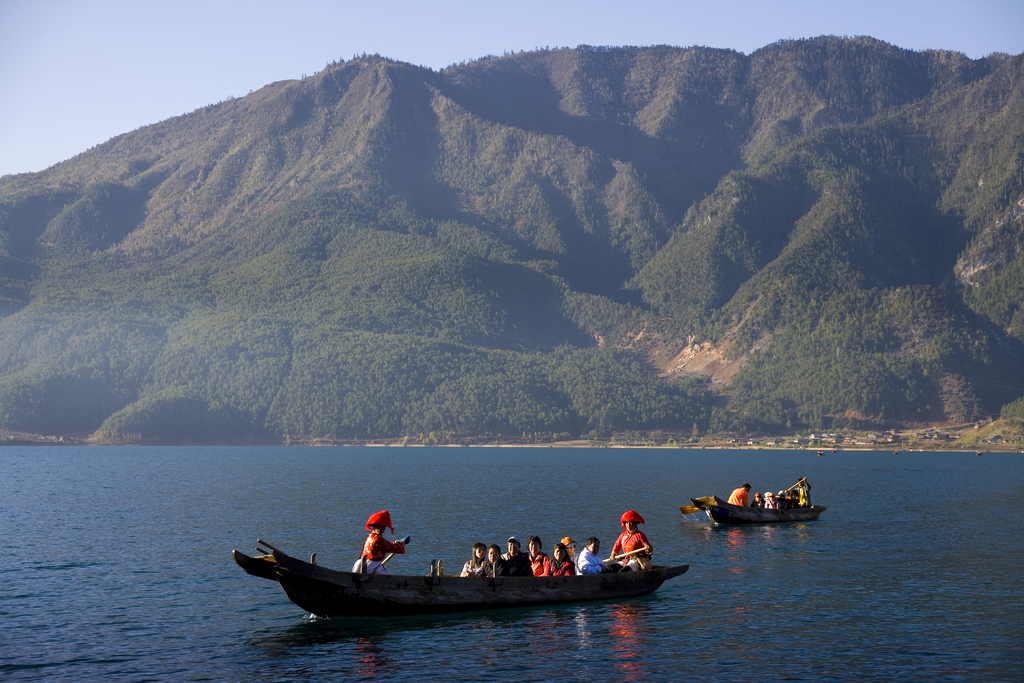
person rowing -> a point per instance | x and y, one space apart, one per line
376 547
740 496
803 492
632 545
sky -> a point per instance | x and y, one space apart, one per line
75 73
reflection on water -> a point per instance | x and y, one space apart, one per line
629 626
551 633
317 632
371 659
735 537
561 639
561 636
584 629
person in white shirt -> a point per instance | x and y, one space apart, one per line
587 561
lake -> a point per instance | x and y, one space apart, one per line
119 564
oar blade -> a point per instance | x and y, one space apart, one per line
688 509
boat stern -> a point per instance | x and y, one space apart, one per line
263 566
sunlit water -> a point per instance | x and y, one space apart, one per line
118 564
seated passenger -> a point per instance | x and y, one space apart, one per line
518 562
560 564
495 565
570 547
784 502
538 559
770 503
758 502
475 566
587 562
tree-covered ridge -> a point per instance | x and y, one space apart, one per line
516 244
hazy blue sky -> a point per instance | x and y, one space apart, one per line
76 73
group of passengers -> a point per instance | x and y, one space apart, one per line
632 547
489 561
796 496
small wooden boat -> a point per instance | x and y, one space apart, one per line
329 593
720 512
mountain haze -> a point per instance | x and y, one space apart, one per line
826 233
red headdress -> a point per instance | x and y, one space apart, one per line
631 516
383 518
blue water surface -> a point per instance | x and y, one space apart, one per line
118 564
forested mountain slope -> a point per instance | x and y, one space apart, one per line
527 243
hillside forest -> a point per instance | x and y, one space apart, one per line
824 234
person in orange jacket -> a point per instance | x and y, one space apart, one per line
538 560
740 496
376 547
632 539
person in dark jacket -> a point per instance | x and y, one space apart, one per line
518 562
495 565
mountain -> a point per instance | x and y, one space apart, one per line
824 233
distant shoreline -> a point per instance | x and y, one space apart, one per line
27 440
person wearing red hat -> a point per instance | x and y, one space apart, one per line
633 539
376 547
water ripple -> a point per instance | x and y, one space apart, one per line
881 588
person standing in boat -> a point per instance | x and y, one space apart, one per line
740 496
803 493
633 539
376 547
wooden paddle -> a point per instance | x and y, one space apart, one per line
631 552
793 486
688 509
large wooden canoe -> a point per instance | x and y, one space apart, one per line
723 513
328 592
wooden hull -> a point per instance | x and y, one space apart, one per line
720 512
329 593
